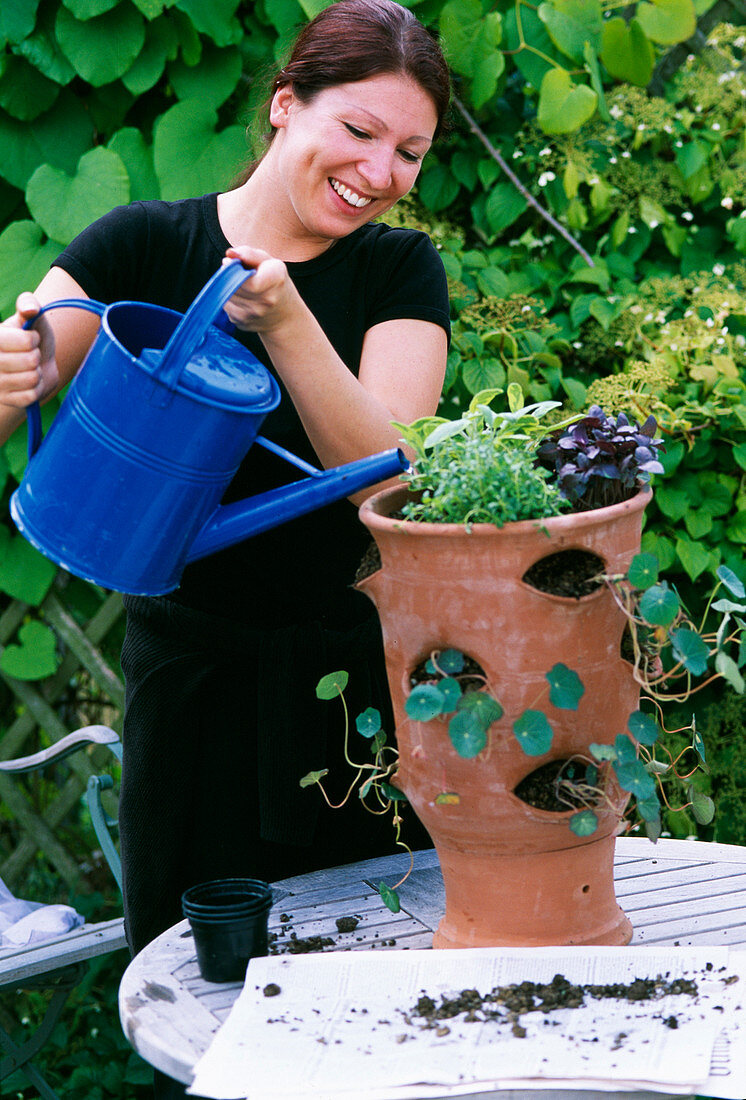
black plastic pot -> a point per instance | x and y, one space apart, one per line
228 918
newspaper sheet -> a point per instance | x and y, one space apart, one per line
345 1025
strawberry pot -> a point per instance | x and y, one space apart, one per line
514 873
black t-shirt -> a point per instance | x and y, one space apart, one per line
164 253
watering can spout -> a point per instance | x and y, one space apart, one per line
232 523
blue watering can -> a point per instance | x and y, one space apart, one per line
125 489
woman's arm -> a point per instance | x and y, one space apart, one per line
401 369
35 363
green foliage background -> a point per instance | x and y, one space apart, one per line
625 122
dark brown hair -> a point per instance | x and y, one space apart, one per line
355 39
352 40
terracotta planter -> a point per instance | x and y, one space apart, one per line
514 875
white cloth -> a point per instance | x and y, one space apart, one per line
26 922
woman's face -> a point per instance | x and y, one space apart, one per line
348 155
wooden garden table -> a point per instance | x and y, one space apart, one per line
677 892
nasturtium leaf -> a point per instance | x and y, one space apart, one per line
667 21
584 823
332 685
137 157
733 583
35 655
625 749
643 727
215 18
447 798
533 732
728 606
24 92
26 574
572 23
424 702
17 19
213 80
393 793
698 743
378 741
486 709
689 648
657 767
451 691
213 157
703 808
467 733
602 752
659 606
24 261
389 897
565 687
504 206
626 51
58 138
450 661
313 778
634 777
368 723
564 106
643 571
728 669
64 205
365 789
653 829
103 48
649 809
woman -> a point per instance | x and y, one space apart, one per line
352 318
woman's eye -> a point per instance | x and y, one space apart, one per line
409 157
355 131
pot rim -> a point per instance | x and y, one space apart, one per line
374 513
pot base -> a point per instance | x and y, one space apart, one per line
556 898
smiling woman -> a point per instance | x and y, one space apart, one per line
352 319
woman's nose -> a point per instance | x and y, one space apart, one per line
377 168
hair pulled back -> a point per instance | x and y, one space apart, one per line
355 39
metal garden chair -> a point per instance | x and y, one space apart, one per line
58 964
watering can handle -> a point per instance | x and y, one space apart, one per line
192 328
33 412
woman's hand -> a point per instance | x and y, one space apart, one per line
268 299
28 368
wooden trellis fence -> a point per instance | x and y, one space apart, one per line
46 705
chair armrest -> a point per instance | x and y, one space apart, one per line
71 742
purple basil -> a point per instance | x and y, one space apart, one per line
601 459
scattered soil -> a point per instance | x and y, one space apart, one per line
347 924
272 990
506 1004
370 563
540 789
573 573
298 946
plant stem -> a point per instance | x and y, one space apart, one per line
557 226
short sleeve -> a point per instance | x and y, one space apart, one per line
107 258
411 280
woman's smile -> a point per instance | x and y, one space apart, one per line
350 197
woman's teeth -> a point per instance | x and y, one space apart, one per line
349 196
